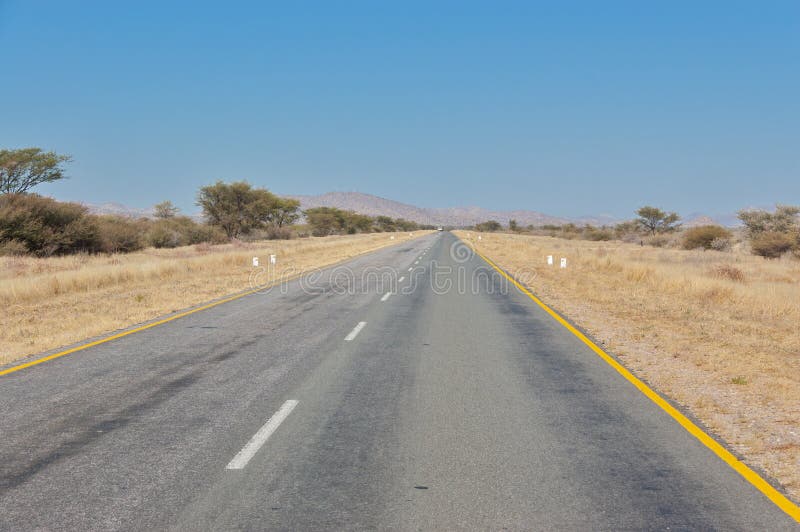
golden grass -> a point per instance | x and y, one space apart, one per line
717 332
52 302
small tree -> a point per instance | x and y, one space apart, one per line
236 208
165 210
488 226
385 223
654 220
513 226
21 170
287 211
783 220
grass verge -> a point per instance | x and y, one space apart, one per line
52 302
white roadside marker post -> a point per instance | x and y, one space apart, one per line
273 259
255 262
549 260
563 262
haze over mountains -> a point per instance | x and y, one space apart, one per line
451 216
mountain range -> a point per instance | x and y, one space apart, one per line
451 216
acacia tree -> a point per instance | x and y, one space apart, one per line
655 220
287 211
21 170
165 210
784 220
234 207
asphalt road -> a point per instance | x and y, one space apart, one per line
452 407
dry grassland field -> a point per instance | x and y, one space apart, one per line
716 332
53 302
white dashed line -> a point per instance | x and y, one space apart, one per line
260 437
410 269
400 280
355 331
386 296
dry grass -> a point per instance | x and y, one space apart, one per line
717 332
52 302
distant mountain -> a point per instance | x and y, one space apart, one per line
696 219
118 209
452 216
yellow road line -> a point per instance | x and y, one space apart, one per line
780 500
175 317
130 331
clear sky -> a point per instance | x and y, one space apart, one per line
565 107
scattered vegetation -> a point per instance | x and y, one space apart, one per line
489 226
706 237
773 234
325 221
32 224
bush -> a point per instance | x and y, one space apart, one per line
279 233
703 236
120 235
721 244
772 244
596 235
181 231
47 227
12 248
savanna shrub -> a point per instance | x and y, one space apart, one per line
721 244
703 236
120 235
771 244
279 233
47 227
181 231
597 235
12 248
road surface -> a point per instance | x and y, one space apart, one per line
329 404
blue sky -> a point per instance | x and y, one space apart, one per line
565 107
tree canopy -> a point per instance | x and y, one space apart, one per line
23 169
165 210
655 220
238 208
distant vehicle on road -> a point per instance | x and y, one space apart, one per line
440 228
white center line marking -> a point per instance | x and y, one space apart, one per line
400 280
410 269
386 296
355 331
260 437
